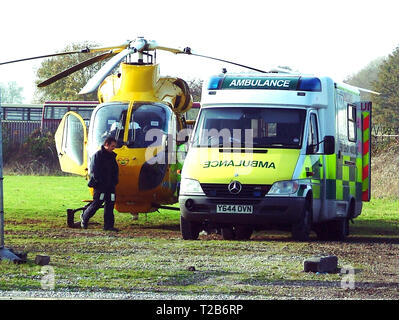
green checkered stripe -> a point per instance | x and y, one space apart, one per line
343 179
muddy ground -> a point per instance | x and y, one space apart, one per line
368 266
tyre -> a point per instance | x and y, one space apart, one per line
189 230
322 231
338 229
243 232
228 233
301 230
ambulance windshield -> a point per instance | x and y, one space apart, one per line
250 127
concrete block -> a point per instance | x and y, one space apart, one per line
42 260
327 264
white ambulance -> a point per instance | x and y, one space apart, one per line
276 150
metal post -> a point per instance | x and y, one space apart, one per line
4 253
1 181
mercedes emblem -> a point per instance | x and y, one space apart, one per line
234 187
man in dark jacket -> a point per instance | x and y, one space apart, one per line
103 179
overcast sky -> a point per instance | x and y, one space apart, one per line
335 38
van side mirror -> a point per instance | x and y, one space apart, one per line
329 145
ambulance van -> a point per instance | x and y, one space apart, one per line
276 150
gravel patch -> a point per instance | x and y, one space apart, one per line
81 295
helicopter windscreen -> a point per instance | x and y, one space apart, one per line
148 124
109 120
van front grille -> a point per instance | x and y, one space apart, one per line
248 190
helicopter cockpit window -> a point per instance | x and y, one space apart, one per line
148 125
109 120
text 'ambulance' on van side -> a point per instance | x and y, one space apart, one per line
276 150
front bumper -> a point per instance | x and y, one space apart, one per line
267 210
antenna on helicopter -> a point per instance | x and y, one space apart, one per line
188 51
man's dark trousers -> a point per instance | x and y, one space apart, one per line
100 197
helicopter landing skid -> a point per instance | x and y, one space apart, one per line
71 215
166 207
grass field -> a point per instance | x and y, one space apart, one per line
149 255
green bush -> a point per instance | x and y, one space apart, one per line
37 155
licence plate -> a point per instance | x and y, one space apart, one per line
234 208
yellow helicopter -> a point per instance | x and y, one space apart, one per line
135 103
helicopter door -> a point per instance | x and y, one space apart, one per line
71 141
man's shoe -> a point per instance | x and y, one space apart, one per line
111 229
83 224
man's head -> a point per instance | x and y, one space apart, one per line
109 144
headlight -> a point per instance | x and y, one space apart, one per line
284 187
190 186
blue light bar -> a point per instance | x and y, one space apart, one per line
309 84
214 83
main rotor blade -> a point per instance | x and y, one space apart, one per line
99 77
188 51
152 45
75 68
47 56
116 49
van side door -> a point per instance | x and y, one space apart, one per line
314 164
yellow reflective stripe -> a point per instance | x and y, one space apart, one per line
321 168
316 190
345 170
331 161
352 188
359 169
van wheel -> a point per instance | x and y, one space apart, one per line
338 229
301 230
189 230
322 231
228 233
243 232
